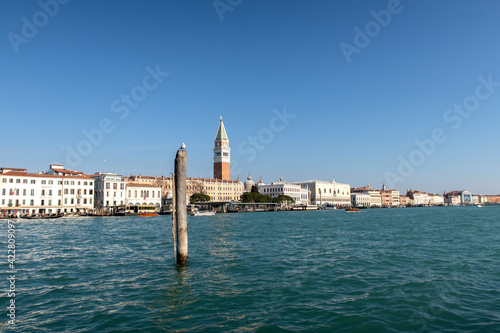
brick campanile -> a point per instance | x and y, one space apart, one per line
222 157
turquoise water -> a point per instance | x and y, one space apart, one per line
384 270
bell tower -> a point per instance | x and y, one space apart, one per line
222 158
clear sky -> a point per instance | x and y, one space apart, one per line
308 89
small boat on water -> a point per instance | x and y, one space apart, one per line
305 207
148 214
52 216
352 209
202 213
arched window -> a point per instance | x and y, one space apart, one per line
142 196
129 193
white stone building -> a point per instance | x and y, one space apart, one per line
109 190
360 199
143 194
299 194
326 192
436 200
56 191
375 196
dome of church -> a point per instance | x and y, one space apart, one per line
260 183
249 183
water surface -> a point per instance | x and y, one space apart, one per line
381 270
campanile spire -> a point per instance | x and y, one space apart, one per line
222 158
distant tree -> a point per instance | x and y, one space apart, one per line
284 199
254 189
253 197
199 197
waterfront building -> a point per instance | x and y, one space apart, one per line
452 200
386 198
299 194
389 197
360 199
403 200
143 194
475 199
217 189
493 199
375 196
163 182
436 200
57 190
418 198
326 192
464 197
222 158
109 190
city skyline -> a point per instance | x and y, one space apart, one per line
362 93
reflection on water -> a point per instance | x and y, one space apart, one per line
176 296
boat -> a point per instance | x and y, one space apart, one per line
202 213
148 214
52 216
352 209
479 206
305 207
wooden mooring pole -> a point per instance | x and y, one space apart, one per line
180 207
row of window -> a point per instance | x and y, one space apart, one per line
49 202
275 189
115 186
137 194
324 191
45 182
47 192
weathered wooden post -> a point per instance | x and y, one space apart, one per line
174 228
180 206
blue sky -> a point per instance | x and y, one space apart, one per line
355 121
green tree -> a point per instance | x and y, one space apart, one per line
255 197
284 199
199 197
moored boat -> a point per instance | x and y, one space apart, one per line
53 216
202 213
352 209
148 214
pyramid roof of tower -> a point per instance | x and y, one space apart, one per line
221 132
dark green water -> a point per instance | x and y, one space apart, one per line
385 270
